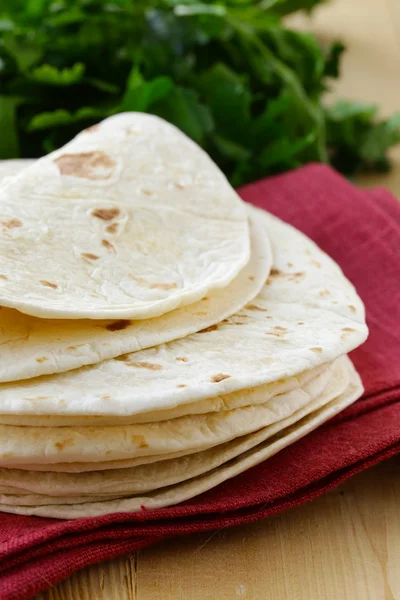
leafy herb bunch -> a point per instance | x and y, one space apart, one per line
229 73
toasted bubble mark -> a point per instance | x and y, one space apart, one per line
95 165
61 445
348 329
316 263
147 192
42 359
12 223
316 349
106 397
272 333
352 308
205 299
279 328
300 322
251 278
179 186
289 264
34 398
255 307
75 347
182 358
275 272
49 284
139 441
118 325
4 277
144 365
90 256
181 385
108 245
113 228
325 292
219 377
154 286
106 214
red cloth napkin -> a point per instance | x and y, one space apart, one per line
361 231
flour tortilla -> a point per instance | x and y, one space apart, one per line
198 485
47 346
147 478
129 220
306 315
48 445
209 405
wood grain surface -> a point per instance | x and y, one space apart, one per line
345 545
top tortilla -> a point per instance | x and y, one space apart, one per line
131 219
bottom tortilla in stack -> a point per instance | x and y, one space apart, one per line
165 424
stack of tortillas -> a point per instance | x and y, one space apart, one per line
157 335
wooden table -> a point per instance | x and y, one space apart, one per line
345 545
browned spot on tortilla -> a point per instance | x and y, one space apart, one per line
61 445
75 347
324 293
12 223
95 165
300 323
108 245
106 397
275 272
352 308
49 284
316 349
204 299
106 214
316 263
202 312
147 192
289 264
89 256
279 328
33 398
255 307
92 128
179 186
182 358
272 333
343 336
42 359
348 329
123 357
140 441
219 377
112 228
4 277
118 325
296 276
268 317
208 329
181 385
155 286
144 365
251 278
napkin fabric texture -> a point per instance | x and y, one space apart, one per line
361 231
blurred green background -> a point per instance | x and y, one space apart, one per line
230 74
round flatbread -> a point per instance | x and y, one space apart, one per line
129 220
46 346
